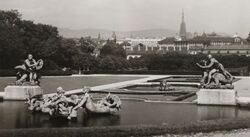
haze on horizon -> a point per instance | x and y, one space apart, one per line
227 16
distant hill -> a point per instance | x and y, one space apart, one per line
151 33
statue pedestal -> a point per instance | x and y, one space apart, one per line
21 92
216 97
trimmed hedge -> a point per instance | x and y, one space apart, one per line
57 72
154 72
8 73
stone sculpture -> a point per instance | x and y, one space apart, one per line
28 72
60 105
214 75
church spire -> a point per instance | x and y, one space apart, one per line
99 36
182 19
183 33
114 37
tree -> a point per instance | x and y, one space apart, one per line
87 45
40 40
65 53
11 50
19 37
107 63
112 48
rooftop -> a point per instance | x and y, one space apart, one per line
224 47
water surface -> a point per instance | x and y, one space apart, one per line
14 114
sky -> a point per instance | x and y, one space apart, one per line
226 16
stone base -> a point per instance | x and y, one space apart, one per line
216 97
21 92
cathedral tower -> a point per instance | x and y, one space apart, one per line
183 33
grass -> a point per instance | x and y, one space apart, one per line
124 131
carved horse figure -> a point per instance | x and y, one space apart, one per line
219 78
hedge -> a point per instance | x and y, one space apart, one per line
8 73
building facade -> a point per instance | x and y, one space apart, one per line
205 43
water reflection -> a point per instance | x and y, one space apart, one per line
98 120
214 112
14 114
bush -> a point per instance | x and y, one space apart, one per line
156 72
7 73
50 65
12 73
57 72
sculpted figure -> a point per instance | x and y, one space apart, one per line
214 73
165 86
30 64
60 105
28 71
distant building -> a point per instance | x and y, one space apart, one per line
248 38
213 39
233 49
113 37
137 47
99 36
144 41
204 40
183 33
205 43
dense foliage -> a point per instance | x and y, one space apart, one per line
19 37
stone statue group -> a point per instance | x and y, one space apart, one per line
28 72
60 105
214 74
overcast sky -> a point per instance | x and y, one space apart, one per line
228 16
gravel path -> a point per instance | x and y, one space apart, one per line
234 133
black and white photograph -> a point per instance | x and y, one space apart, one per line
124 68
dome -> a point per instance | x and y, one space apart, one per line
236 35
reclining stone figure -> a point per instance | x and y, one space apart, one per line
60 105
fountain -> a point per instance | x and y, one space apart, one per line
174 100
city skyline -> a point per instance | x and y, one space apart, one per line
227 16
